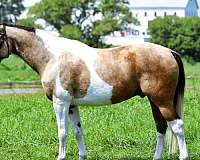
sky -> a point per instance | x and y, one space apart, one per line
28 3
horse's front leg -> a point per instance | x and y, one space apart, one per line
61 107
78 131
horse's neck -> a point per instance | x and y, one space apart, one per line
30 48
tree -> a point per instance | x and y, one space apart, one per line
179 34
10 10
29 22
84 20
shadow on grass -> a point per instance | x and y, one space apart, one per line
134 158
122 158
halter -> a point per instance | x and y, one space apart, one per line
4 38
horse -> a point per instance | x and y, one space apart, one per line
73 73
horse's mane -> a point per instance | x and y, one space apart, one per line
27 28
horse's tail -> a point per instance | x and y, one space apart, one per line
178 101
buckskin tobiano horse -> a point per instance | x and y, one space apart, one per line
73 74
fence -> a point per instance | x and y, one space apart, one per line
192 83
20 84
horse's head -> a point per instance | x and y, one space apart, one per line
4 43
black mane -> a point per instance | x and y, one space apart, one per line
27 28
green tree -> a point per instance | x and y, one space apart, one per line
10 10
179 34
29 22
84 20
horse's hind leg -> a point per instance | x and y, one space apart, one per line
161 126
169 113
178 130
78 131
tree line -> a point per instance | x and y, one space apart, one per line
90 20
10 10
84 20
179 34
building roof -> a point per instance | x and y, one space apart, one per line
158 3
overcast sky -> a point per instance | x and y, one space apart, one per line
28 3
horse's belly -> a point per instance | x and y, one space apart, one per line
98 93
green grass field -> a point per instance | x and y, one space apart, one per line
192 70
14 69
124 131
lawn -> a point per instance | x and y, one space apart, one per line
124 131
15 69
192 71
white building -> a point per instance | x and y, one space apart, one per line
146 10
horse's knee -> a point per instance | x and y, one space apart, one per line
78 133
63 134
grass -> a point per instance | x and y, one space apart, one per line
192 70
14 69
124 131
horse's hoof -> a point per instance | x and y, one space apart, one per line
82 157
157 157
61 158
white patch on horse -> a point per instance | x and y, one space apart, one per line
60 92
177 128
159 146
78 131
61 107
99 92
